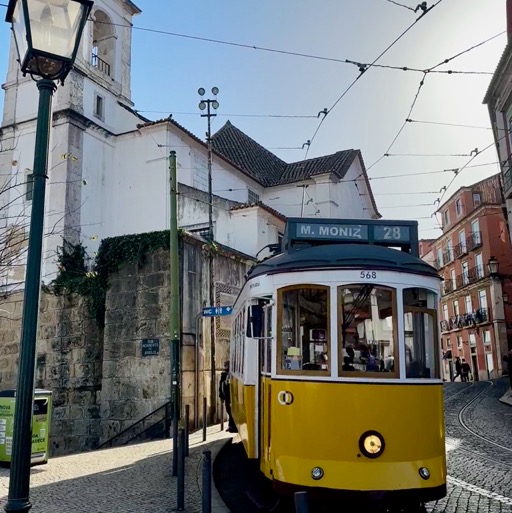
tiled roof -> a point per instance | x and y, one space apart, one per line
337 163
256 160
267 168
262 205
498 73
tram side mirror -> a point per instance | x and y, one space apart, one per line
255 321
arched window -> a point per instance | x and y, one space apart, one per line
103 43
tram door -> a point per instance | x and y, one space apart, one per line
265 391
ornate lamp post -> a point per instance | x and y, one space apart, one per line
47 35
208 104
493 266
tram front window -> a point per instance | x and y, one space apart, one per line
367 329
420 321
303 326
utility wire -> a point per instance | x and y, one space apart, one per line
447 124
365 68
401 5
305 116
287 52
429 70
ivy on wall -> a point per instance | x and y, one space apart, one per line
91 281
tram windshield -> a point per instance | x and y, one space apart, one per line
367 330
304 326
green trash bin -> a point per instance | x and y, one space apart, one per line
40 425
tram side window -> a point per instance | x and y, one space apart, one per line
303 326
421 340
367 330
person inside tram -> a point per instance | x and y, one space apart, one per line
347 364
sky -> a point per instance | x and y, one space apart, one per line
256 85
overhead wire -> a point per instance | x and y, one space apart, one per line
426 72
401 5
447 124
363 69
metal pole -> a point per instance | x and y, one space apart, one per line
211 261
181 471
301 502
187 420
222 415
207 482
174 307
205 404
19 482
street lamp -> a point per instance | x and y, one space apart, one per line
47 35
208 104
493 267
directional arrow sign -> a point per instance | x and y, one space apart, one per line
217 311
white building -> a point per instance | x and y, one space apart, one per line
108 167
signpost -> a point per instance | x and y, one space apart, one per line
217 311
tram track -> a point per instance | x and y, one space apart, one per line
467 428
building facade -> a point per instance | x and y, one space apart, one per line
476 321
498 99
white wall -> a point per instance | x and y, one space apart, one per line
325 193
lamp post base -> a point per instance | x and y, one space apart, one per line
18 506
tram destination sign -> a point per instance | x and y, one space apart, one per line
352 232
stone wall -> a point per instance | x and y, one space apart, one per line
137 308
101 382
69 353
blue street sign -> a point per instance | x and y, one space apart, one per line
217 311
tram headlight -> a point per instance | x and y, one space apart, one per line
371 444
317 473
424 473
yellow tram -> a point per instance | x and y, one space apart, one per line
335 364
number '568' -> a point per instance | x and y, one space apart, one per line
368 275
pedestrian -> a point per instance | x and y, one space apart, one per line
508 359
225 395
465 368
458 368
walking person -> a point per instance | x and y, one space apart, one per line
465 368
225 395
458 368
508 359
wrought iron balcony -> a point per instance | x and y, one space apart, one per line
100 64
448 256
467 320
474 241
460 250
507 180
470 276
448 286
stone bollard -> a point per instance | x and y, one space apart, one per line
181 470
207 482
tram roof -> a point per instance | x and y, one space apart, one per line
358 256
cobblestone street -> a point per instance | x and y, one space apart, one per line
479 447
134 478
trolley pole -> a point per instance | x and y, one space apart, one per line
174 309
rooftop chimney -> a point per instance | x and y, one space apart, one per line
509 20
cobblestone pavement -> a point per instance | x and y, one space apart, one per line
479 449
135 478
